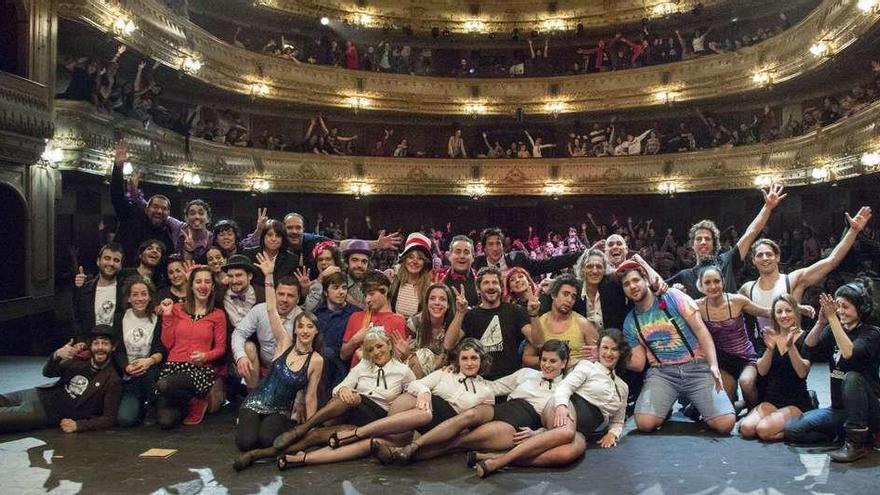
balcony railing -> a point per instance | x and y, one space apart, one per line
832 27
845 149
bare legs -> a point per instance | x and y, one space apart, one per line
408 419
766 422
493 436
748 384
445 431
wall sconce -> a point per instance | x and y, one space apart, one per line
663 9
764 181
52 155
553 25
870 160
191 65
476 190
554 190
476 108
325 21
260 186
866 5
665 97
474 26
124 26
358 102
761 78
668 188
259 89
820 174
363 19
190 179
820 49
360 189
555 107
127 169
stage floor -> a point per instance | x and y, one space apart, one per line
680 458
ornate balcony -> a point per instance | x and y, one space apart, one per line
839 151
828 30
25 111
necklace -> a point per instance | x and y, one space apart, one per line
300 352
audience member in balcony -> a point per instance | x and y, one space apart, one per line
539 65
632 145
82 79
538 145
383 57
455 147
496 151
653 144
597 59
575 147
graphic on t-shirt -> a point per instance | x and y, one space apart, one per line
492 337
104 316
77 386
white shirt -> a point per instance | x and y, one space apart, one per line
462 393
257 321
600 387
137 334
105 304
527 384
381 385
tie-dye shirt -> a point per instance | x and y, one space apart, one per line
659 332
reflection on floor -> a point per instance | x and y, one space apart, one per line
681 458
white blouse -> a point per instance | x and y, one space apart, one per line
381 385
528 384
461 392
599 386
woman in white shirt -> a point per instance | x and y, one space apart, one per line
139 350
529 392
364 396
591 396
428 403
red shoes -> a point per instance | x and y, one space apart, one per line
197 409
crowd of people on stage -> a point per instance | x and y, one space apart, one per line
513 358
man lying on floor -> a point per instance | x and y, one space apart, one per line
86 396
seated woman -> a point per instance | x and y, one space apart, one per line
429 403
295 367
363 397
723 315
591 396
139 350
841 328
785 371
429 328
194 333
528 392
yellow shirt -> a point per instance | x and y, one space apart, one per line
571 336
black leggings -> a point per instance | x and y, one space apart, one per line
258 431
174 393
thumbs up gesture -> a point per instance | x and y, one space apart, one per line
80 279
67 351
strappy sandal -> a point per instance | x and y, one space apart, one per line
471 458
482 469
283 464
335 442
381 451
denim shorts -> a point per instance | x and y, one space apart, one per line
692 381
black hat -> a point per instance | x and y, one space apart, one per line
103 331
240 261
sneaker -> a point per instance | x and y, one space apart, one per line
197 409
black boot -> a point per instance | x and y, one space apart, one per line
854 447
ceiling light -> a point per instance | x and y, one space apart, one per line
761 78
52 155
476 190
124 26
555 107
325 21
764 181
191 65
667 187
820 174
260 186
358 101
360 189
665 96
663 9
866 5
259 89
474 26
475 108
554 189
553 25
190 179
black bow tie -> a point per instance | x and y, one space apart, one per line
238 297
381 376
549 382
464 381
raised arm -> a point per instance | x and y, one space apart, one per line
772 197
829 310
282 340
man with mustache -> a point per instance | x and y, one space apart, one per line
86 396
667 333
561 323
97 301
238 298
150 257
706 242
500 326
136 223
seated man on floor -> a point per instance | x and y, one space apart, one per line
86 396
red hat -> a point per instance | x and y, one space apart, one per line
419 241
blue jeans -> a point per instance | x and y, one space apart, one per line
817 426
691 381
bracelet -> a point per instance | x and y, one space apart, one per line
267 284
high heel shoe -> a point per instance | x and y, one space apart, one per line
482 469
335 442
381 451
471 458
284 464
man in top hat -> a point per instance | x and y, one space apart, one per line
240 294
357 257
86 396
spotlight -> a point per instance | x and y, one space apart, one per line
325 21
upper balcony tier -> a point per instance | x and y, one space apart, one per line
84 141
176 42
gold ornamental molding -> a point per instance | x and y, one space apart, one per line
25 119
465 16
845 149
151 28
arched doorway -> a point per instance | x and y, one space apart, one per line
13 225
13 37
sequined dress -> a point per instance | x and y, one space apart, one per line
279 388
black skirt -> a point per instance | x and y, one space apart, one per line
365 413
441 411
518 413
589 417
